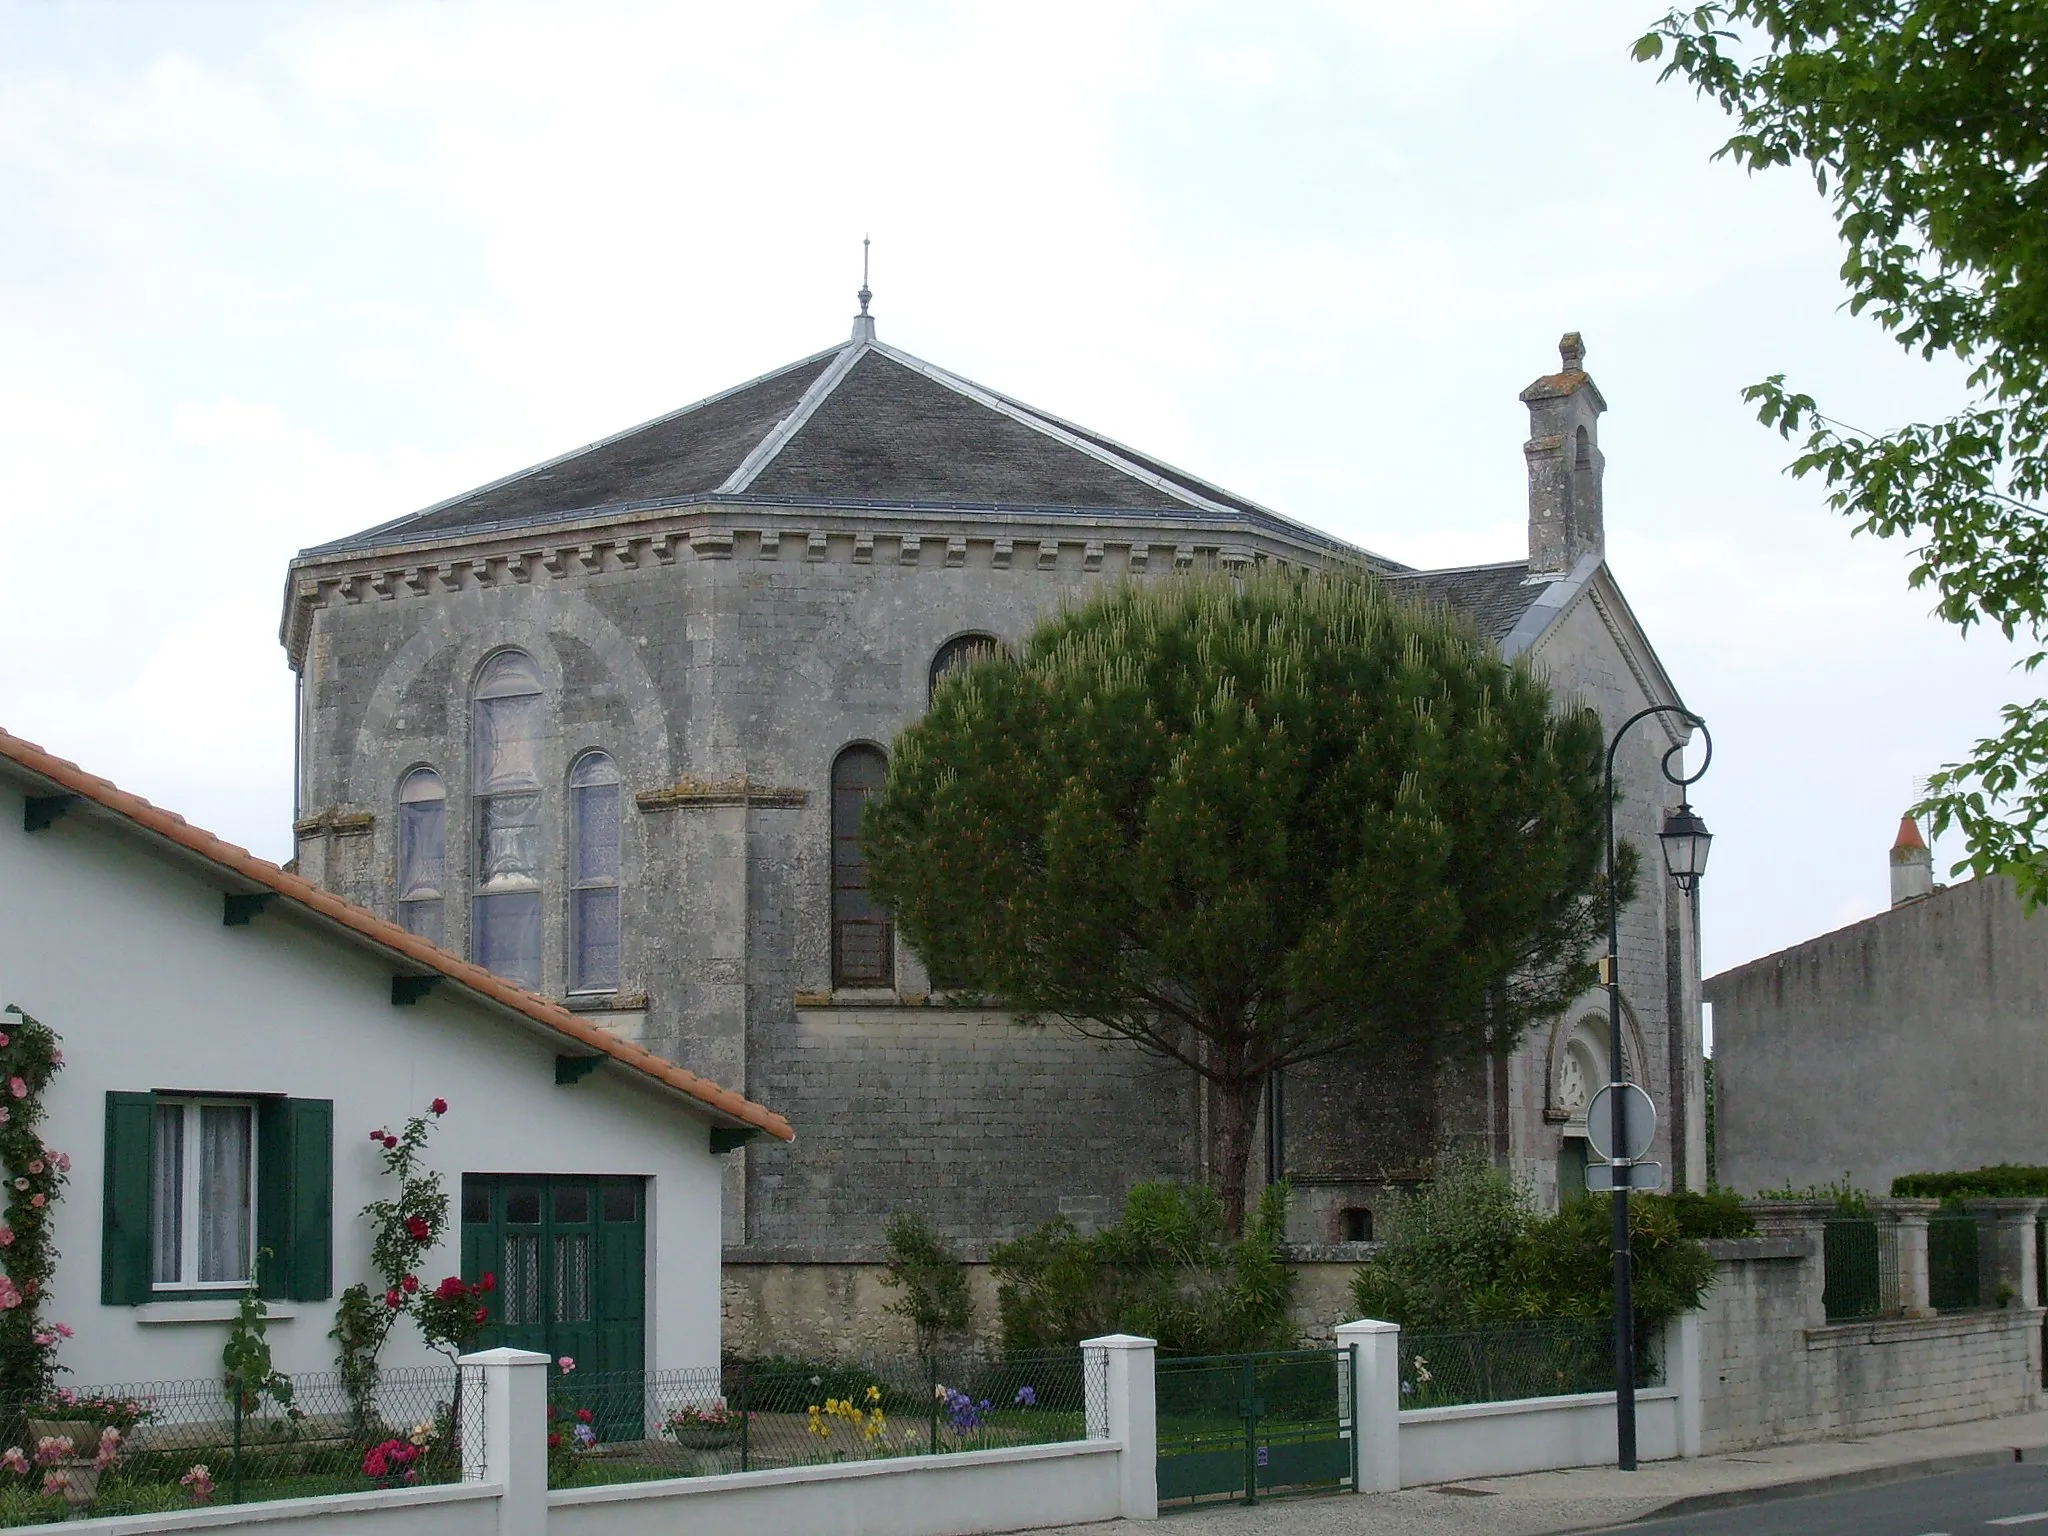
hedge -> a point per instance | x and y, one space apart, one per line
2003 1181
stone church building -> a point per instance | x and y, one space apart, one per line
607 724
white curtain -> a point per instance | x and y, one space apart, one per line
167 1206
507 935
225 1132
508 733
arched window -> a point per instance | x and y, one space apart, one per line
1583 490
505 928
594 875
863 942
960 651
422 853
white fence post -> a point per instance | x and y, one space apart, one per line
1375 1401
514 1453
1682 1374
1130 1408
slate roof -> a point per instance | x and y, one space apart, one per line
863 424
867 425
1493 596
408 952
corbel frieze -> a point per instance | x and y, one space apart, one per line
335 822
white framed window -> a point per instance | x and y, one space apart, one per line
203 1206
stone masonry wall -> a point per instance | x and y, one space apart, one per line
1775 1372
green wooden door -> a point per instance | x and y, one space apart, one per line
570 1254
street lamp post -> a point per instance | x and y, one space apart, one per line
1685 841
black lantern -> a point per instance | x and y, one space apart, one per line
1686 840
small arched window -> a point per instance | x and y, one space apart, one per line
505 931
422 854
1584 491
863 941
594 875
960 651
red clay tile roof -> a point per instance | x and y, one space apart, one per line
174 828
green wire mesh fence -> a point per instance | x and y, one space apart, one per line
1494 1363
151 1447
1859 1269
743 1417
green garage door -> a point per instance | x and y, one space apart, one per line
570 1254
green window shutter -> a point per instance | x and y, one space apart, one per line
295 1197
124 1201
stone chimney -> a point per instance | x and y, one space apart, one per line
1912 864
1565 464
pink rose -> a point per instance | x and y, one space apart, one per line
3 1042
17 1087
63 1330
35 1165
567 1364
57 1058
63 1162
6 1235
37 1201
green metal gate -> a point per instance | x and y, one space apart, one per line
1253 1426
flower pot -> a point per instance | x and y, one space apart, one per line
705 1437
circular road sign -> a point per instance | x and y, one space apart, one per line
1639 1122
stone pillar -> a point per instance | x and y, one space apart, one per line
1122 1394
1803 1222
514 1452
2006 1239
1904 1224
1682 1375
1375 1401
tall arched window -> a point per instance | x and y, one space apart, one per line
422 854
863 942
505 927
960 651
594 875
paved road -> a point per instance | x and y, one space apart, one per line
1985 1503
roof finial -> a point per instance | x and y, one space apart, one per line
1571 351
864 323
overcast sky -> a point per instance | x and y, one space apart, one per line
271 273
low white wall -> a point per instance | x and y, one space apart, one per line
447 1509
1534 1434
972 1491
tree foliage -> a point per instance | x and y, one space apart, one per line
1249 823
1169 1270
1926 124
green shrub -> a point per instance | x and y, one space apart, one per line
1467 1249
1167 1270
931 1283
1849 1200
2001 1181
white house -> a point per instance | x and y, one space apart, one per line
232 1036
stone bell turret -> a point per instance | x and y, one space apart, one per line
1565 464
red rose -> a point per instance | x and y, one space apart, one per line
417 1226
391 1143
376 1136
483 1315
489 1281
411 1284
451 1288
439 1106
393 1300
583 1415
554 1442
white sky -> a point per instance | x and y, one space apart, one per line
270 273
